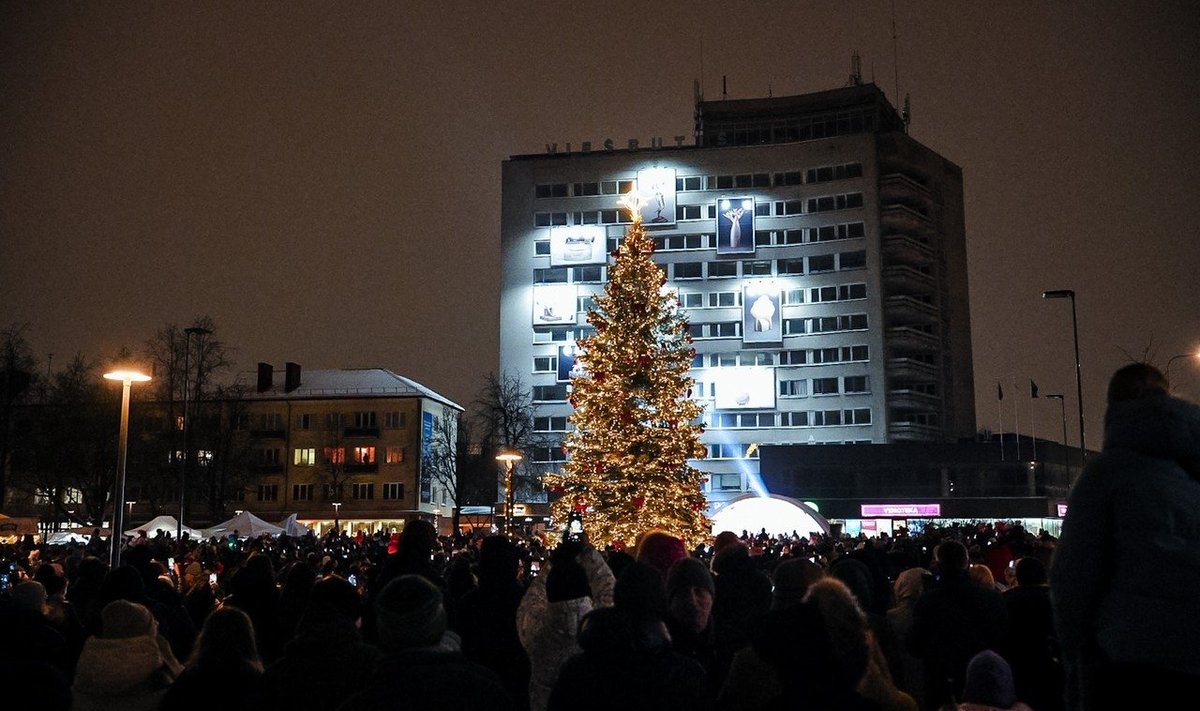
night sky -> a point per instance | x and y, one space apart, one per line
323 179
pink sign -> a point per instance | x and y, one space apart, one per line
901 510
1062 510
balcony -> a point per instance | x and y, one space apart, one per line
902 218
903 248
913 399
360 432
267 468
912 338
901 188
910 310
905 279
362 468
911 369
913 432
268 434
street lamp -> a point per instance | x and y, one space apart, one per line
510 458
1062 406
1172 359
127 377
337 522
1070 294
199 332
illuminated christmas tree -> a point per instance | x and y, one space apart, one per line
634 423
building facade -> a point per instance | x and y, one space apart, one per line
346 445
817 249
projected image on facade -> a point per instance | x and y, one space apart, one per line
580 244
735 225
553 305
760 314
656 186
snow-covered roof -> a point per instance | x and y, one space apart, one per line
348 383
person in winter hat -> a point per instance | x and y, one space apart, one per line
129 667
690 591
989 685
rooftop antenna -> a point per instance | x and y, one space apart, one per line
855 69
906 113
895 50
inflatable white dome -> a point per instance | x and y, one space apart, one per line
777 514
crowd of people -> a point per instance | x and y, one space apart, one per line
747 621
978 616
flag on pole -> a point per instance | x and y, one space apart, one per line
1033 389
999 392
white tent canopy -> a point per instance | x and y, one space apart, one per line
246 524
168 524
292 527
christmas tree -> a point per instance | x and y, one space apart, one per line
634 421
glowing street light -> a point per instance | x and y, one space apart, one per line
510 458
337 521
127 378
1070 294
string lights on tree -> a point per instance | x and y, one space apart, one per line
635 423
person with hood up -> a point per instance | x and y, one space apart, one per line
555 604
129 667
1125 577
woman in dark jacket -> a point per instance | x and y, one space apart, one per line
224 670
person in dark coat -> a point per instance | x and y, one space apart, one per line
953 621
224 671
253 591
486 618
422 666
742 595
1033 645
327 646
690 590
627 663
1125 577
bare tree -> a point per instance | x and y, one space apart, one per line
504 415
16 380
456 463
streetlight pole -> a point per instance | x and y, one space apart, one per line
510 458
337 521
127 378
1172 359
1070 294
1062 406
199 332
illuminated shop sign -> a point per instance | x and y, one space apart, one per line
554 305
760 314
581 244
902 510
735 225
744 388
1062 510
656 186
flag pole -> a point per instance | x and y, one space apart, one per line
1017 425
1000 417
1033 393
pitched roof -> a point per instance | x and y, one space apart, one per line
349 383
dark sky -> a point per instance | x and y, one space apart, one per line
323 179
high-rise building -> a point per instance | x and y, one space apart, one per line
817 248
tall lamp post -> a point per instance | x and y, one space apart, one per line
1062 406
199 332
1172 359
510 458
1070 294
337 519
127 378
